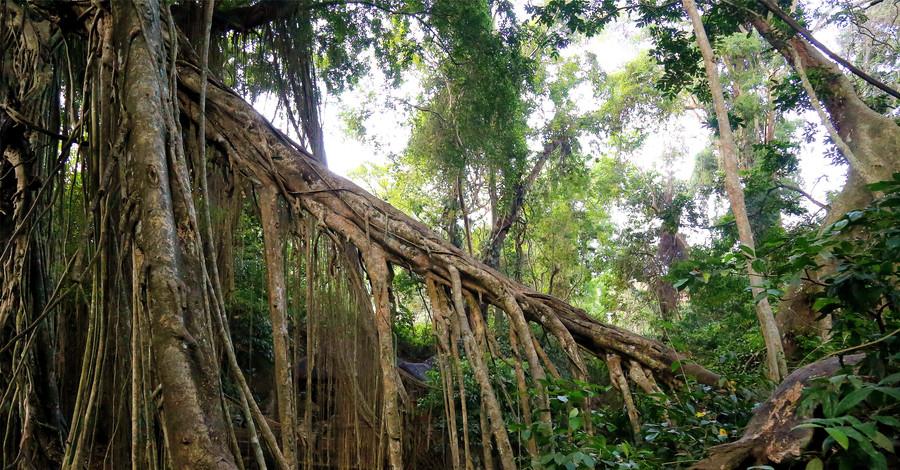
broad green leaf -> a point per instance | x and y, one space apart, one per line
851 400
891 379
815 464
888 421
890 391
839 436
883 441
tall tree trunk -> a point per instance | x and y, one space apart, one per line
270 215
166 244
775 361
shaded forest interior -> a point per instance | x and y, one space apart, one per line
185 283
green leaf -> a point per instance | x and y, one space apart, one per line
883 441
888 421
758 265
881 185
588 461
852 399
839 436
890 380
890 391
823 302
815 464
680 282
573 412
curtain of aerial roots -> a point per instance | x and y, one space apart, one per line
29 398
116 348
337 375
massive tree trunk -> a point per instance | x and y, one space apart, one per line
775 361
872 138
167 254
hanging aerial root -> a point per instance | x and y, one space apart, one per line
376 266
642 379
617 377
441 330
476 358
456 361
276 288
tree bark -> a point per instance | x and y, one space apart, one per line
284 383
775 360
771 435
501 225
171 290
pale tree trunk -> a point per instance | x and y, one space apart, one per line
775 361
872 143
284 384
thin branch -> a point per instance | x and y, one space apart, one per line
806 34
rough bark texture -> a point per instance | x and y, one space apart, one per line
770 436
182 346
171 304
284 383
775 360
475 354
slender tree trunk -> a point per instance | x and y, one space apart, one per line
284 383
501 225
775 361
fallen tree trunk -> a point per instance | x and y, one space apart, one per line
771 437
267 156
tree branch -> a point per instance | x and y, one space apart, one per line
806 34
